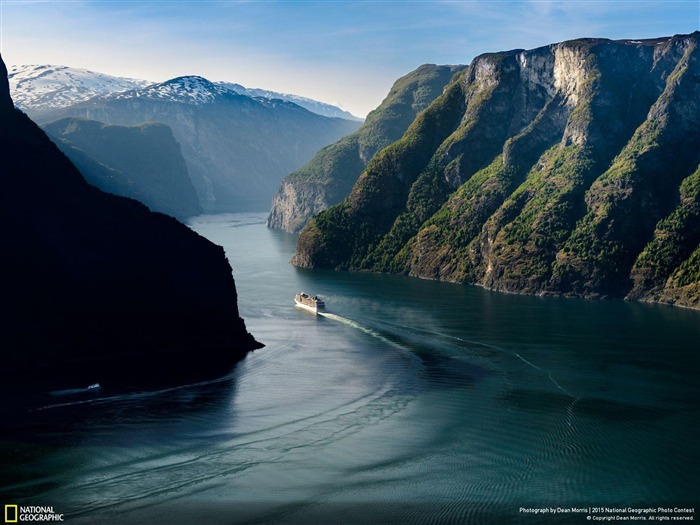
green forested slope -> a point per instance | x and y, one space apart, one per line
328 178
567 169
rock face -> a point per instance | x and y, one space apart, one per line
328 177
142 162
96 287
237 148
569 169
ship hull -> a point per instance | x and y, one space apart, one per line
313 309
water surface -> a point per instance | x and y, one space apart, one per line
410 402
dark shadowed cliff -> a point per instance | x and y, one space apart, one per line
96 287
570 169
328 178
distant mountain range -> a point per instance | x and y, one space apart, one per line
237 148
36 87
320 108
571 169
328 178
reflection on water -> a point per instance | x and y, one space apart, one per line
408 402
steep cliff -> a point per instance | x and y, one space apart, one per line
328 178
142 162
96 287
668 268
568 169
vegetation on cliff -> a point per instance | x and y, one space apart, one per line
568 169
671 260
328 178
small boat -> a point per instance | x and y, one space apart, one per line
94 386
307 302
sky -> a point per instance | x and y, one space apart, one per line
344 53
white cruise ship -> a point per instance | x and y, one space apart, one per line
307 302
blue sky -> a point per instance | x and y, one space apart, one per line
346 53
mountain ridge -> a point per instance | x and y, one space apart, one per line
35 87
46 86
315 106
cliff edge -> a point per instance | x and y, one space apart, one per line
95 287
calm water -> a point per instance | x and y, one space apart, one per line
410 402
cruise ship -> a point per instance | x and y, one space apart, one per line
305 301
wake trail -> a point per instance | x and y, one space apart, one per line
102 399
361 328
548 373
504 350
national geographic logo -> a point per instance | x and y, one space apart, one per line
17 514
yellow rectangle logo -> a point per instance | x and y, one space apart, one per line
10 511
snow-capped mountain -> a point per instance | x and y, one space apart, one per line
42 87
194 90
187 90
48 86
320 108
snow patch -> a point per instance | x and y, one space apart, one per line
320 108
49 86
37 87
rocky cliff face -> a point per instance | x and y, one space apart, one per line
141 162
328 177
569 169
237 148
96 287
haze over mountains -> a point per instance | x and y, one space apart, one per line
320 108
569 169
143 162
237 148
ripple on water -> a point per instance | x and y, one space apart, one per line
412 402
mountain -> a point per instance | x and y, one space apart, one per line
328 178
41 87
142 162
320 108
96 287
35 87
237 148
571 169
